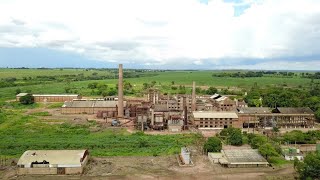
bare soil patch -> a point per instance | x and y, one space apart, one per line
162 167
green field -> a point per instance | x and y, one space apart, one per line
20 132
163 81
20 73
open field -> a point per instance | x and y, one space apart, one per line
20 131
163 81
20 73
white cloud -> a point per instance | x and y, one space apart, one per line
159 32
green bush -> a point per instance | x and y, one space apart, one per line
232 135
44 113
310 167
27 99
213 144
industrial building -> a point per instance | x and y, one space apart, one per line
291 153
110 108
282 117
214 120
238 158
175 123
50 97
157 111
222 103
52 162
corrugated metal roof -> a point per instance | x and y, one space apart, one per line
95 104
222 98
295 110
106 104
212 114
55 95
62 158
215 96
21 94
79 104
254 110
244 156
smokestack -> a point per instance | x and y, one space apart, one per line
185 120
193 105
120 92
152 117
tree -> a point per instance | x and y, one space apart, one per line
153 83
127 86
317 114
236 138
18 91
94 74
213 144
27 99
146 85
198 90
67 89
102 89
256 141
211 90
310 167
267 150
112 92
92 85
295 136
232 135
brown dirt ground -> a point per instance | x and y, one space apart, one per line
161 167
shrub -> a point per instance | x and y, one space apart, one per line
27 99
213 144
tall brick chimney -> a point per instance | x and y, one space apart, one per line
193 103
120 92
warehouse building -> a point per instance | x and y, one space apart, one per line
52 162
50 97
215 120
282 117
110 108
242 158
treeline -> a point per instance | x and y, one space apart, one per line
7 82
311 76
104 90
25 81
253 74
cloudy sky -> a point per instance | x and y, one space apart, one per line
161 34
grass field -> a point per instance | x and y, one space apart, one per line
20 73
163 79
20 132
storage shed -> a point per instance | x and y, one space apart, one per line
52 162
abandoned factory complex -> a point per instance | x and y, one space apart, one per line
181 111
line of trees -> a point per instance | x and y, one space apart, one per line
253 74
